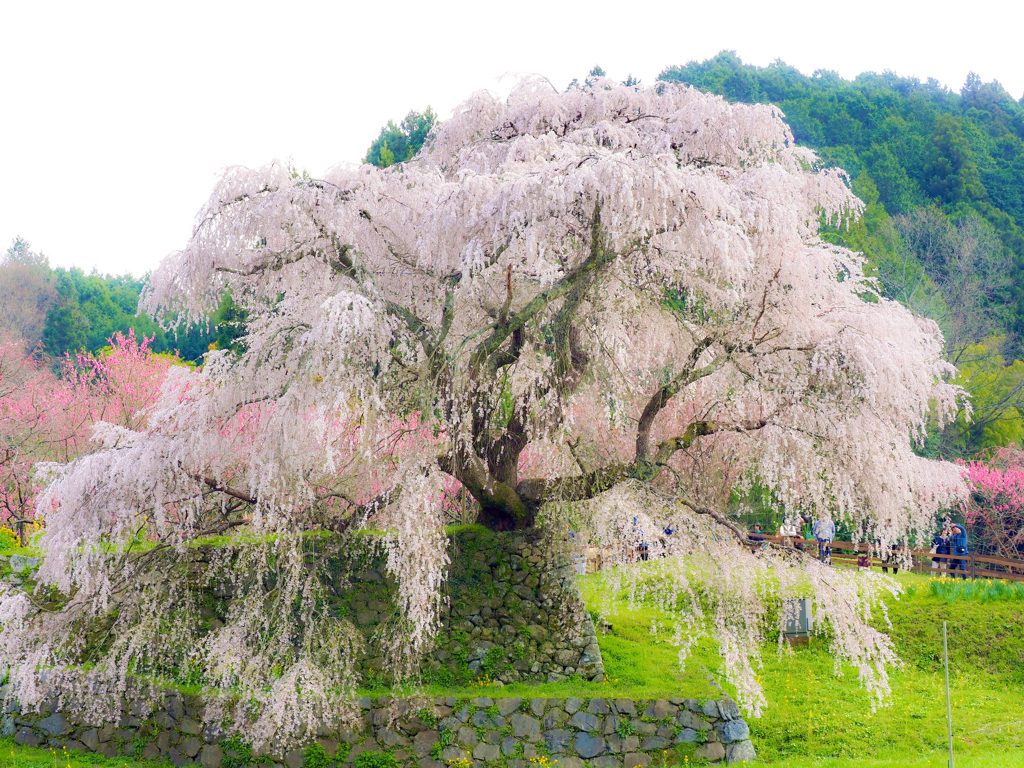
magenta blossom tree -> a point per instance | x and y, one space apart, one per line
608 308
47 416
995 508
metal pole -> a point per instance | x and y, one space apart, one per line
949 711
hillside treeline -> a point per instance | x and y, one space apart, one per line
68 310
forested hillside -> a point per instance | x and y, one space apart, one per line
943 176
919 142
67 310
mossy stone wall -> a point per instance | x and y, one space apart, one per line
513 612
429 732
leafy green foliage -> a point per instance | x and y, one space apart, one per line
236 753
315 756
625 727
427 717
90 308
70 311
8 540
376 760
918 142
984 590
398 143
445 737
494 661
996 388
598 71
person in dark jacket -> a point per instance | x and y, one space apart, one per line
824 532
643 550
890 559
958 546
940 545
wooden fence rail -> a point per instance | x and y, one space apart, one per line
922 560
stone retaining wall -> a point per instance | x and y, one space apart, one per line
513 611
431 732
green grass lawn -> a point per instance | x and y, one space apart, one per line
810 712
12 756
814 718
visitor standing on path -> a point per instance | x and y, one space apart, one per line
824 533
788 531
940 546
958 545
757 535
891 558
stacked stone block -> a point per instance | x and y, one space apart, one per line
432 732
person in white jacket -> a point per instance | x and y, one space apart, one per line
788 531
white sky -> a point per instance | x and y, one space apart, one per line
116 118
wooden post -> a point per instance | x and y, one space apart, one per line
949 711
974 574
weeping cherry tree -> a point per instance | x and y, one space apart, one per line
607 309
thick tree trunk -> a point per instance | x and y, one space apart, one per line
501 508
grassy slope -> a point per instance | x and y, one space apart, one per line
816 715
999 759
12 756
811 712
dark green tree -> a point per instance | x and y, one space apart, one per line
595 72
65 329
398 143
950 170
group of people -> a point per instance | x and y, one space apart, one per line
950 540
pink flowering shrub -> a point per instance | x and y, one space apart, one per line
995 509
48 417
